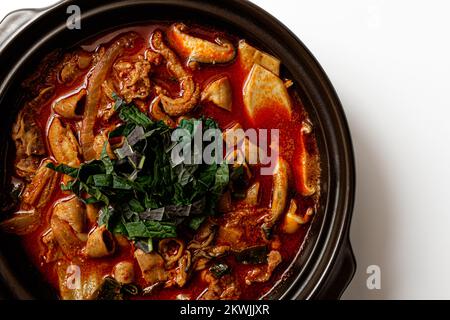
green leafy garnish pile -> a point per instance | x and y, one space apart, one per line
143 194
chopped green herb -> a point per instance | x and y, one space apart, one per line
131 114
144 195
151 229
62 168
196 222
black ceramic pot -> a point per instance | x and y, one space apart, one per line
325 265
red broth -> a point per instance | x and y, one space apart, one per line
269 118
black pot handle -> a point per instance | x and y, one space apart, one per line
340 275
14 21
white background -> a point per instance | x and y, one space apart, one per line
390 64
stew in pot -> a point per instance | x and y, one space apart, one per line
165 161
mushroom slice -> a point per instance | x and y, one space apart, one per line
100 243
308 169
152 266
249 55
69 107
219 92
23 222
200 50
281 179
63 144
263 89
292 221
190 91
